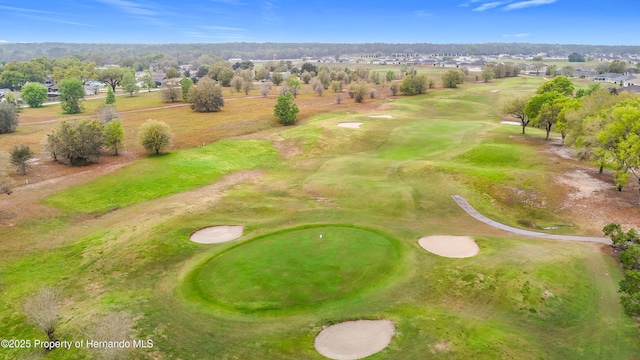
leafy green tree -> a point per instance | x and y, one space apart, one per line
224 76
147 80
618 66
285 110
414 84
129 83
358 91
394 88
112 75
575 57
186 84
71 96
620 140
206 96
559 84
515 107
155 136
172 73
77 144
114 136
34 94
236 83
390 76
543 109
309 67
277 79
336 86
487 73
20 156
452 78
111 97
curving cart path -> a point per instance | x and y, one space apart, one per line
464 204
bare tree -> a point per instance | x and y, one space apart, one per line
115 326
106 113
171 91
42 310
317 86
266 87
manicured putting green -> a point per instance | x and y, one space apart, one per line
297 267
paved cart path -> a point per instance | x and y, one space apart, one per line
474 213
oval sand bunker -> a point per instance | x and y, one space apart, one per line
350 125
353 340
450 246
216 234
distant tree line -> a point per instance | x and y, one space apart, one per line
139 56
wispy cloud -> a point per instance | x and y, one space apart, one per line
422 13
222 28
130 7
228 2
269 12
469 3
40 15
526 4
516 35
489 5
3 41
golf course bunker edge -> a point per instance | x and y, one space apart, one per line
450 246
217 234
356 339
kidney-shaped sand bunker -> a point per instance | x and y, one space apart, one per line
450 246
216 234
354 339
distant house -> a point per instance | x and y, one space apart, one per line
634 89
584 74
606 77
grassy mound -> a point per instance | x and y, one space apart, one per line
296 267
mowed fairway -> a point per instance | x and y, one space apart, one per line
371 193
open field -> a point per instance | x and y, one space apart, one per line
116 238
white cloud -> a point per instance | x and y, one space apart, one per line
422 13
526 4
131 7
516 35
3 41
487 6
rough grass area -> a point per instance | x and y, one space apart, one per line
163 175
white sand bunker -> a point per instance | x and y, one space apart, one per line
216 234
350 125
353 340
511 123
450 246
494 91
382 116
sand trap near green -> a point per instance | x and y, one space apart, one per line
450 246
381 116
354 339
515 123
350 125
217 234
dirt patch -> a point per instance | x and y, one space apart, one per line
217 234
350 125
354 339
450 246
583 184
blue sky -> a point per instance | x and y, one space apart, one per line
333 21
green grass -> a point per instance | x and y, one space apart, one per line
296 268
518 299
157 176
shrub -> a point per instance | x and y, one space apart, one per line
285 110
